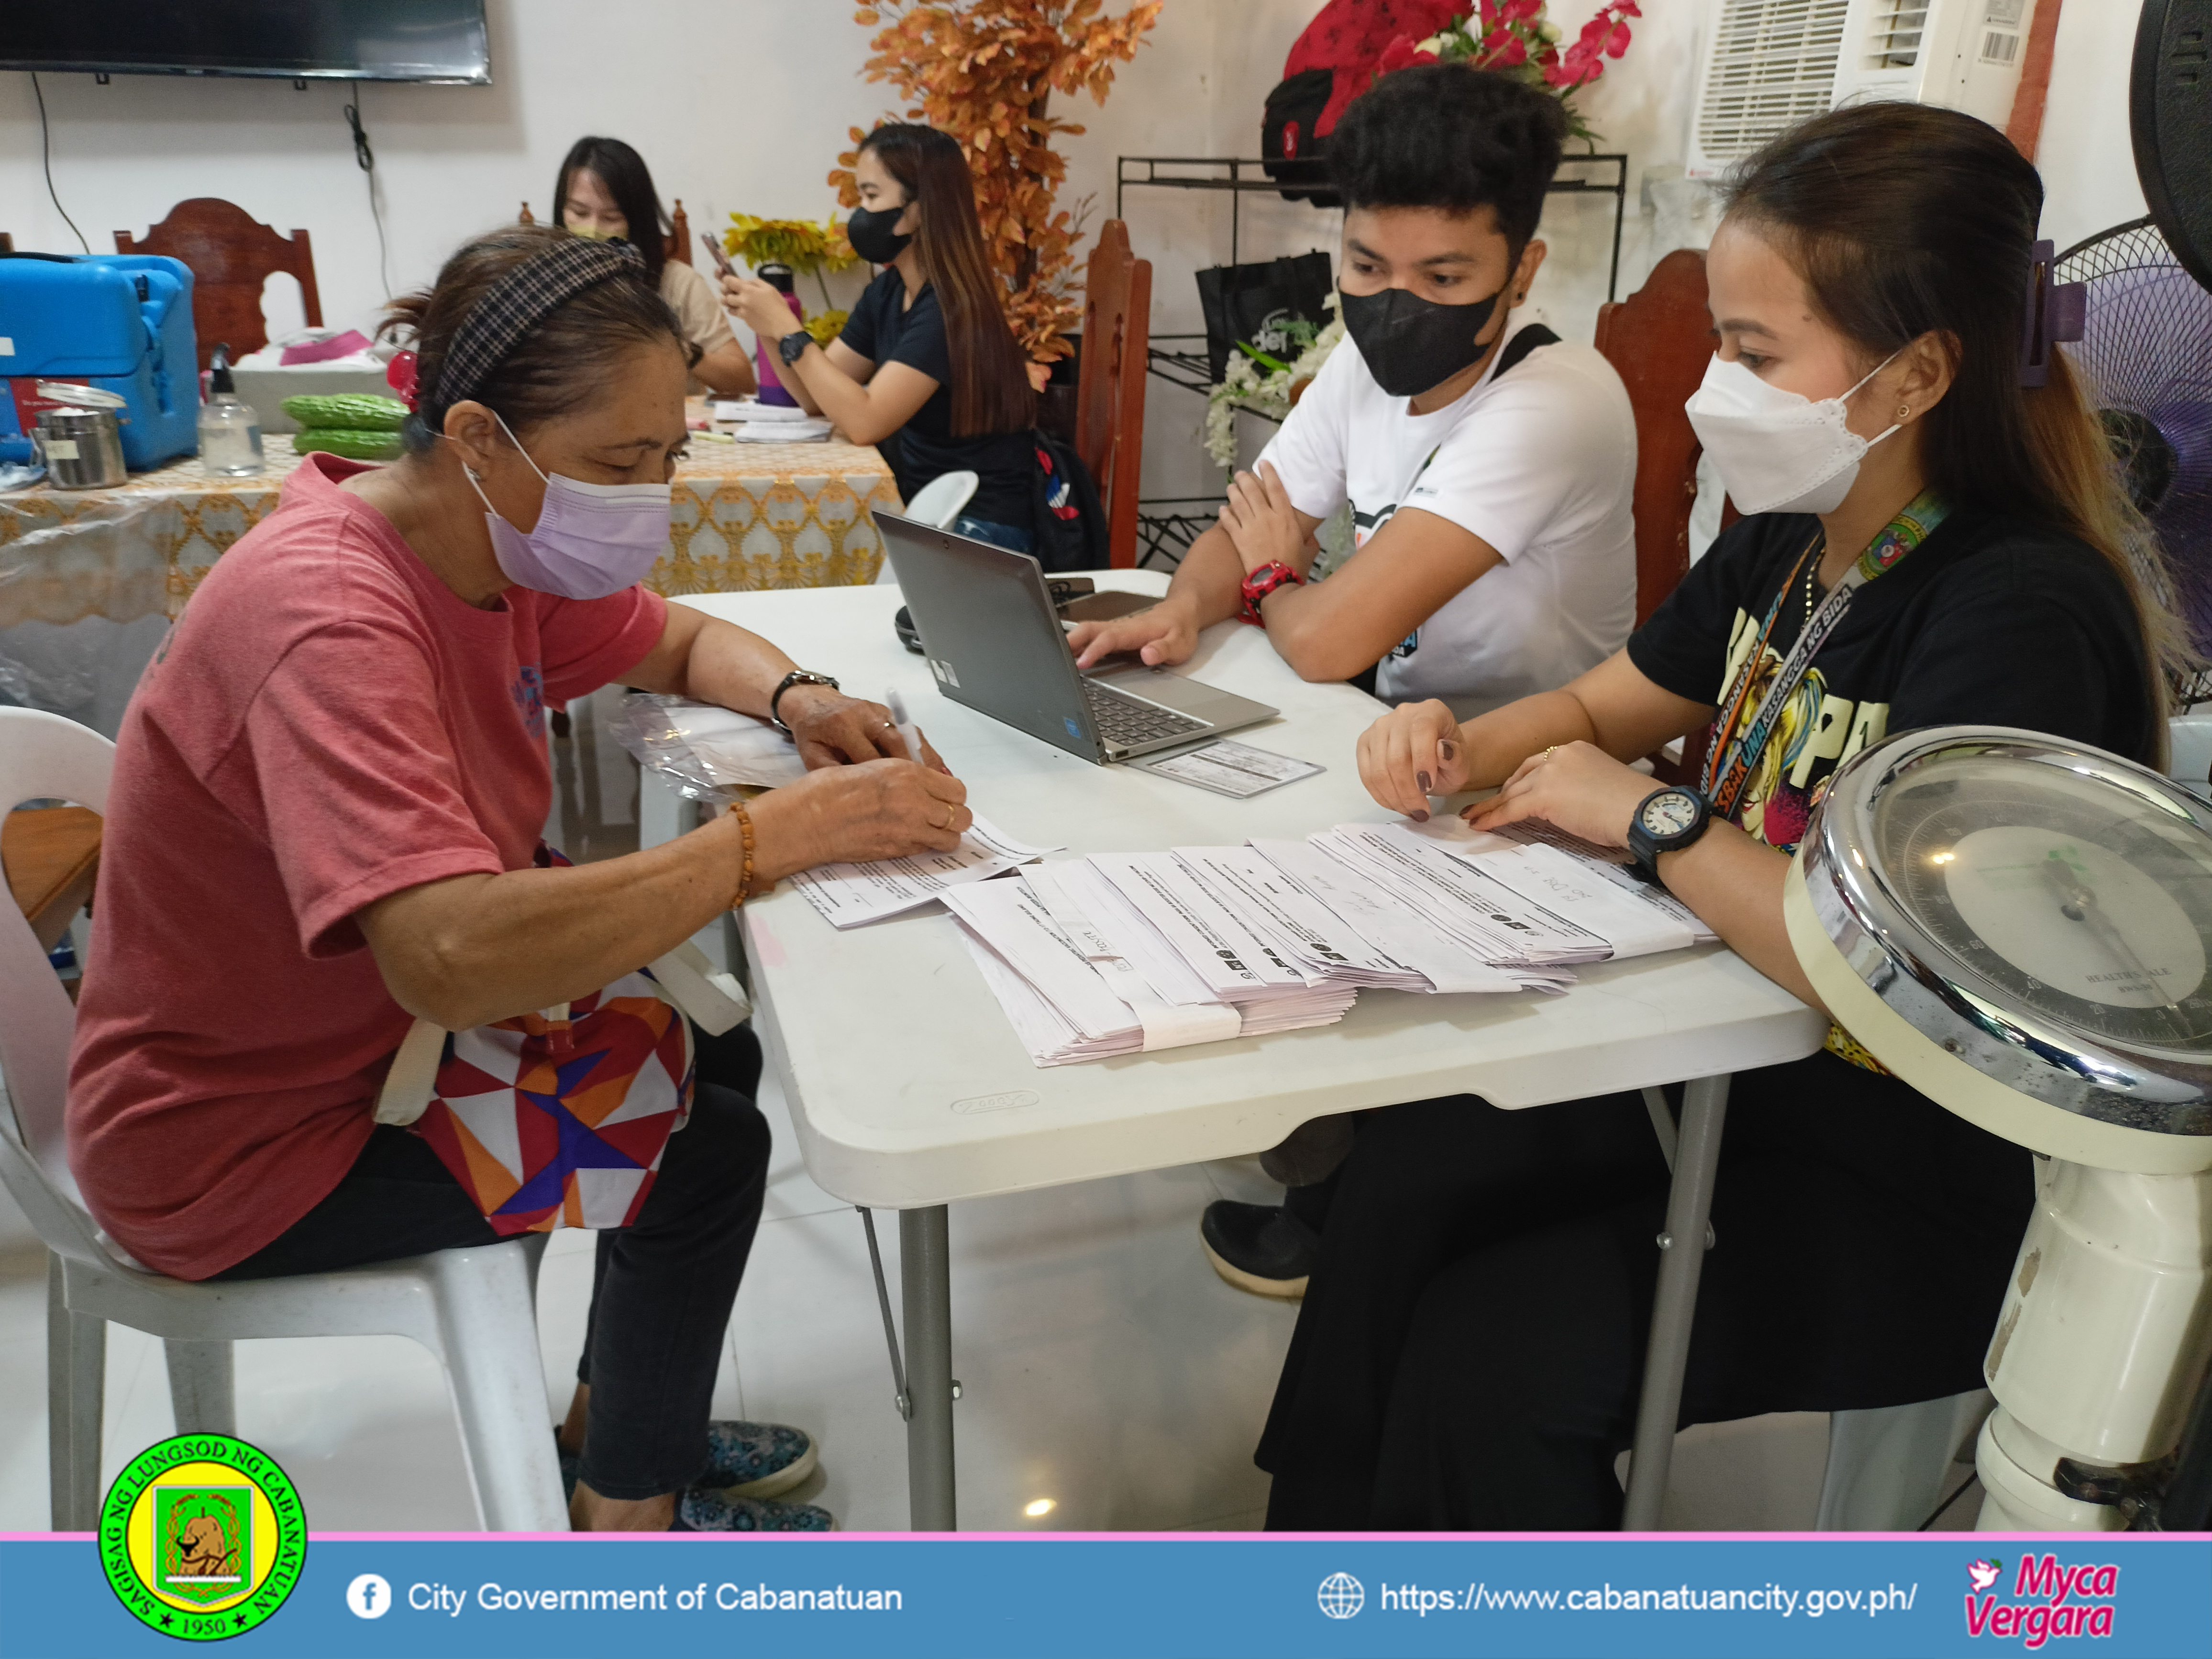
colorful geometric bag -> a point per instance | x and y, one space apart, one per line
560 1118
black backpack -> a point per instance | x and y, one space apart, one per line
1293 155
1069 521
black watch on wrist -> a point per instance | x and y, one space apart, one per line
1666 821
797 676
792 346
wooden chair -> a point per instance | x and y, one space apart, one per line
52 856
1659 341
1110 421
230 255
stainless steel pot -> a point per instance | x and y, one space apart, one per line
81 441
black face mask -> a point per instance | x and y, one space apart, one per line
869 230
1411 343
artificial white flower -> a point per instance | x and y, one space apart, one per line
1434 46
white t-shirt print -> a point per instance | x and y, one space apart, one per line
1539 463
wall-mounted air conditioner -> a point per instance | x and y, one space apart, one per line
1769 63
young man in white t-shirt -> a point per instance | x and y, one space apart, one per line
1489 466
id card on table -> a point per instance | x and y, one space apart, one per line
1236 769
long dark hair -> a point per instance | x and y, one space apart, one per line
1906 219
559 366
991 389
627 179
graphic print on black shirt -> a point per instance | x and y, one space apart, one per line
885 329
1989 621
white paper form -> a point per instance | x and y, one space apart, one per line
1040 1027
1321 943
1236 769
1390 927
1220 947
1007 916
1489 918
851 894
1166 1025
1608 865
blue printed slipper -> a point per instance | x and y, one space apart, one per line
716 1511
755 1460
744 1460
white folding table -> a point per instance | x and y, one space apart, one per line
910 1092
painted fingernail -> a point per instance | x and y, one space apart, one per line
1422 778
1421 817
1448 750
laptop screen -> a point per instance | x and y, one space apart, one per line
989 631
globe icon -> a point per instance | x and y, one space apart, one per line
1341 1596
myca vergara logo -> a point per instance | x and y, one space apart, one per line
203 1537
2048 1599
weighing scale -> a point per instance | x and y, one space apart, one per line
2020 928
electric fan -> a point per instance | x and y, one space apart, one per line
2146 349
2146 352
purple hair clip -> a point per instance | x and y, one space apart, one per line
2055 311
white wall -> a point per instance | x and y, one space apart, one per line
2088 163
744 104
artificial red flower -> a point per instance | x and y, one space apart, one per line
1503 49
1402 53
1519 11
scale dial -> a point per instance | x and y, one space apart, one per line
2038 911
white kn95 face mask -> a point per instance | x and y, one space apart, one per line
1776 450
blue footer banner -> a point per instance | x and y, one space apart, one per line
213 1561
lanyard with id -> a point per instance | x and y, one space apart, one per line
1736 748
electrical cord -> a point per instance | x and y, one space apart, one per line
46 157
365 159
1946 1503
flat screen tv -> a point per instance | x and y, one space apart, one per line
334 39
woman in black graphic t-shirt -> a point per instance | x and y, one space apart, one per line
1467 1355
928 368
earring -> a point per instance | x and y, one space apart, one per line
1905 411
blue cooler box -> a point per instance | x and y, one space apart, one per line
122 322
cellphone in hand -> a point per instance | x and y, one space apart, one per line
721 259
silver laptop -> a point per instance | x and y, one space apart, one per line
995 643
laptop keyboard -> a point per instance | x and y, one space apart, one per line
1124 720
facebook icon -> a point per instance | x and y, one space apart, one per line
369 1597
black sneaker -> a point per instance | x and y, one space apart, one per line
1260 1248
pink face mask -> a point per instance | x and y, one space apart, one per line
590 540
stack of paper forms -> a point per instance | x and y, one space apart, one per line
1133 952
1121 953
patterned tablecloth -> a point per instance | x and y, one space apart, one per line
746 516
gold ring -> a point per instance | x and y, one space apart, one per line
890 725
1552 750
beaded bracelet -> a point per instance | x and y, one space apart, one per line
745 873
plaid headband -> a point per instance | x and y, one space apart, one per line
516 304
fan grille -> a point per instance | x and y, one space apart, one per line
2146 354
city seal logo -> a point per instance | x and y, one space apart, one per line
203 1537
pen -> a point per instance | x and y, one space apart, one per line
909 733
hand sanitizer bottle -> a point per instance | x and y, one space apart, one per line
230 432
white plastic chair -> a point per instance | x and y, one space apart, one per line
474 1308
937 504
1886 1465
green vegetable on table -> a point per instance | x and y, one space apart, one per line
347 411
354 446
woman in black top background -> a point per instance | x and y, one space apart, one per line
928 368
1468 1352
